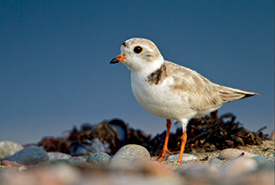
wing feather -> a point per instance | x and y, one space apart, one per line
202 93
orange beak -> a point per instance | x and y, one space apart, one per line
119 58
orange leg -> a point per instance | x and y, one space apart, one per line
165 146
183 142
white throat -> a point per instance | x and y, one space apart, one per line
149 68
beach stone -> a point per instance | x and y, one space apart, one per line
261 160
185 157
8 148
129 153
215 161
263 163
58 155
30 156
239 166
231 153
99 159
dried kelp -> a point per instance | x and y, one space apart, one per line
204 134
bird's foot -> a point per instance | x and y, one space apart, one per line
162 155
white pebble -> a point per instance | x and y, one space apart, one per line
185 157
231 153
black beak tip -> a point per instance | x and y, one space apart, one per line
114 61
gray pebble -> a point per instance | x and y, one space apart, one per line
185 157
8 148
128 153
231 153
30 156
260 160
99 159
215 161
58 155
263 163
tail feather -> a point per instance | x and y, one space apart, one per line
228 94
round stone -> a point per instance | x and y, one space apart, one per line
231 153
99 159
215 161
8 148
30 156
263 163
185 157
129 153
58 155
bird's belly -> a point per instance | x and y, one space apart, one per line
159 100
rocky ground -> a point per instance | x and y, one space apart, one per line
132 164
218 152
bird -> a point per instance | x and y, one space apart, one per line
169 90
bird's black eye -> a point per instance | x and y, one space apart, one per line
138 49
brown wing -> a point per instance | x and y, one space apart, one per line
202 93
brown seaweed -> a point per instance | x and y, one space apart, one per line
210 133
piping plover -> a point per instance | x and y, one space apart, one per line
169 90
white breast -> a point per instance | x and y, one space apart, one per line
159 100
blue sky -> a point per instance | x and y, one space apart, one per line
55 71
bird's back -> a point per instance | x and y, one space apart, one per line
204 96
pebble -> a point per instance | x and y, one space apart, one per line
129 153
8 148
58 155
215 161
263 163
30 156
239 166
260 160
231 153
185 157
99 159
